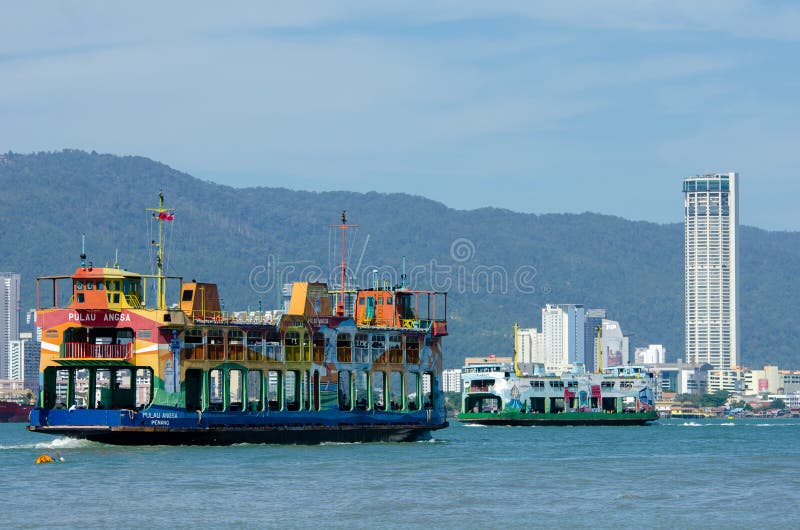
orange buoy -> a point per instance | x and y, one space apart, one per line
44 459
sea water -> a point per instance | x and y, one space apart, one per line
673 474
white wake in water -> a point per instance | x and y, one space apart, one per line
56 444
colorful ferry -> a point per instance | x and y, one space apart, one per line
336 365
500 394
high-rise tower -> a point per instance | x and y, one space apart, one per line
712 319
9 317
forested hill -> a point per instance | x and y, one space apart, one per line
500 267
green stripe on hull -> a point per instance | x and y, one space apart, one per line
514 417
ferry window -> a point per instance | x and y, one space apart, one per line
216 348
396 391
379 390
255 344
116 285
412 390
412 349
292 345
345 403
427 387
306 390
315 389
108 284
235 345
192 344
215 390
378 347
395 349
389 301
187 295
100 286
380 301
306 347
292 390
319 347
360 300
254 386
235 390
116 298
361 390
122 391
274 389
144 387
78 285
80 298
343 348
102 389
362 348
62 385
89 286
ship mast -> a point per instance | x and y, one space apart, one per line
599 349
516 365
343 227
161 214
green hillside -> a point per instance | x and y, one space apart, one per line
499 266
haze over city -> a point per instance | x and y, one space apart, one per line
531 106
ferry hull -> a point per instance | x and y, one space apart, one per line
563 419
227 430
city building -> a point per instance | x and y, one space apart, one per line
652 354
614 345
451 380
766 380
9 316
23 361
792 400
731 380
771 380
711 210
529 346
563 327
681 378
594 319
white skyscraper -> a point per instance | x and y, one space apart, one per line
711 208
9 316
529 349
563 339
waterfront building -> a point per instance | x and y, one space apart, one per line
652 354
594 319
771 380
563 343
9 316
451 380
792 399
529 346
731 380
711 301
680 377
766 380
614 345
23 361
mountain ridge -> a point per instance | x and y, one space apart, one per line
509 265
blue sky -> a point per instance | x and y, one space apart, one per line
531 106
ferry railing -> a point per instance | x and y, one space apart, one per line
231 317
133 301
85 350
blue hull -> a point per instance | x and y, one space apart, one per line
171 426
